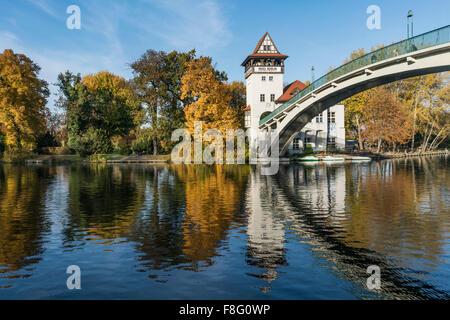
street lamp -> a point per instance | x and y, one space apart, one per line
409 18
312 74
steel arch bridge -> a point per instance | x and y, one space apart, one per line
422 54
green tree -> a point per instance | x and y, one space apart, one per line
157 82
98 107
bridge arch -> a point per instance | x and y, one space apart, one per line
423 54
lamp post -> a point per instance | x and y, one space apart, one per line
409 18
312 74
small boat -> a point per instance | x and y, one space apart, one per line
308 158
330 158
358 158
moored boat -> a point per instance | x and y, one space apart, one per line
358 158
308 159
330 158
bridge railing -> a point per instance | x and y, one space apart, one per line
422 41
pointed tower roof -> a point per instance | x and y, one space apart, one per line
265 49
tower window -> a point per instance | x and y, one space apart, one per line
247 119
272 97
331 117
319 118
262 97
332 142
270 78
296 143
263 78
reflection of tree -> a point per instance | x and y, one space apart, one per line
157 232
383 213
103 201
214 194
145 205
22 219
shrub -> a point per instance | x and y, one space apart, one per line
143 142
125 150
15 155
93 141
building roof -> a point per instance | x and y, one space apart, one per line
248 108
261 49
290 90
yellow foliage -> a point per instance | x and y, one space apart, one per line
23 97
209 98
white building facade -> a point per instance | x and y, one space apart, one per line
265 90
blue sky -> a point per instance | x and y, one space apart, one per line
116 32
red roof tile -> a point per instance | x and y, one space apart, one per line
247 108
290 90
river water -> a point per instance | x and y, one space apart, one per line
226 232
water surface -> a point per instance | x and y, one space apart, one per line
226 232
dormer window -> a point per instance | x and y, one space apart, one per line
295 91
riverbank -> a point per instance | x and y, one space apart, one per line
104 158
363 156
151 159
394 155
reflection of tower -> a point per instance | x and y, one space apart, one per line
265 231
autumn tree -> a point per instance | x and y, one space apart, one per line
386 119
23 97
433 117
353 106
157 82
238 100
210 97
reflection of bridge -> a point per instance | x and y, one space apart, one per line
310 202
423 54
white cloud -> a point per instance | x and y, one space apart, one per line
44 6
184 24
53 62
180 23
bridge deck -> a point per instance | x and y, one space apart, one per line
422 41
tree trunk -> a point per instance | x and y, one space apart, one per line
442 140
424 140
435 138
155 146
361 146
414 124
379 145
428 138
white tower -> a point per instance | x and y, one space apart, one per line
264 70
